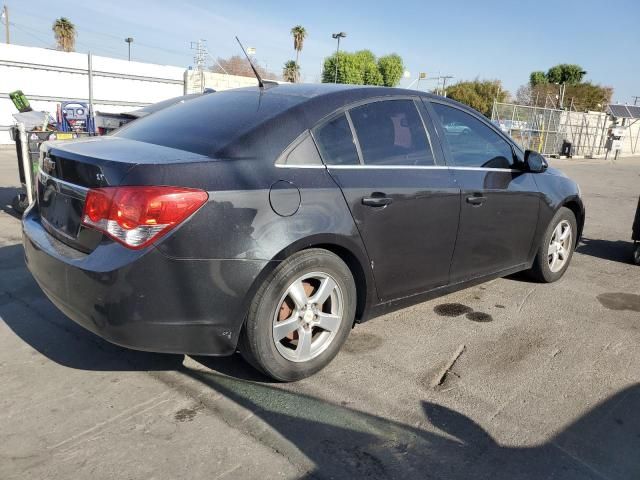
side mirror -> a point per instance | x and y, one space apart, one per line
534 162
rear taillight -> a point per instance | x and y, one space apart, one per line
138 216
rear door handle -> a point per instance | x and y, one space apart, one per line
379 200
476 199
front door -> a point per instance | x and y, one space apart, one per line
405 205
499 201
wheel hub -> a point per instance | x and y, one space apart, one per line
308 317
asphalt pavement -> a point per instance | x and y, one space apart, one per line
545 383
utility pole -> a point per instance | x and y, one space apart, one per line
129 40
5 16
444 84
635 99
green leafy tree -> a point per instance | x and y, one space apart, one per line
537 78
362 68
299 34
544 91
372 76
391 68
570 74
290 71
478 94
65 34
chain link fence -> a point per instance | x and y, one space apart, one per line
547 129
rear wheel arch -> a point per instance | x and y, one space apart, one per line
346 250
357 270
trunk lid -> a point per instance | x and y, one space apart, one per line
68 170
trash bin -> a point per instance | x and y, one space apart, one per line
35 139
566 150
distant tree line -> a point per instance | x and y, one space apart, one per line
363 68
563 86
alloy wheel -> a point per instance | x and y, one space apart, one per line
560 246
308 317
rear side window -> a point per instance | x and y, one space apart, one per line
335 142
391 132
303 153
471 142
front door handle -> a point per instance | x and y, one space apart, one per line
377 200
476 199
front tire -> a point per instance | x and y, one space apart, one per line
556 247
300 316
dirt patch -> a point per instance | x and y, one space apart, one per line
452 309
620 301
361 342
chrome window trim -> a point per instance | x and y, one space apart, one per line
293 165
423 167
77 189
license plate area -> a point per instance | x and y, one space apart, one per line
60 206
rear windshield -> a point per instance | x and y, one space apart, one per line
207 124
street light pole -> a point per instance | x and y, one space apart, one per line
5 15
129 40
337 36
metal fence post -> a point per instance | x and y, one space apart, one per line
90 75
26 162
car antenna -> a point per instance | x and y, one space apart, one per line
261 83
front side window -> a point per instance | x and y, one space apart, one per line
391 132
471 142
335 142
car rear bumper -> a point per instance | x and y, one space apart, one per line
144 300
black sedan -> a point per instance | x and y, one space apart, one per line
271 220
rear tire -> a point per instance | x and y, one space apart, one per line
556 247
636 253
300 316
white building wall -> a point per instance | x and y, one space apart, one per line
48 77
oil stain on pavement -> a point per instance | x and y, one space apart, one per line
457 309
185 415
361 342
452 309
620 301
479 317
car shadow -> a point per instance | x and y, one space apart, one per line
614 250
343 442
337 441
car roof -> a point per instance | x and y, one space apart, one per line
312 90
251 122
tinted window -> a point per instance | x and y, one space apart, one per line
207 124
391 133
335 142
471 142
304 153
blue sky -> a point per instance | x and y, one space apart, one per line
488 39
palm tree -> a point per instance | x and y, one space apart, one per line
65 33
290 71
299 34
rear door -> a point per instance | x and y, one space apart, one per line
402 197
499 201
